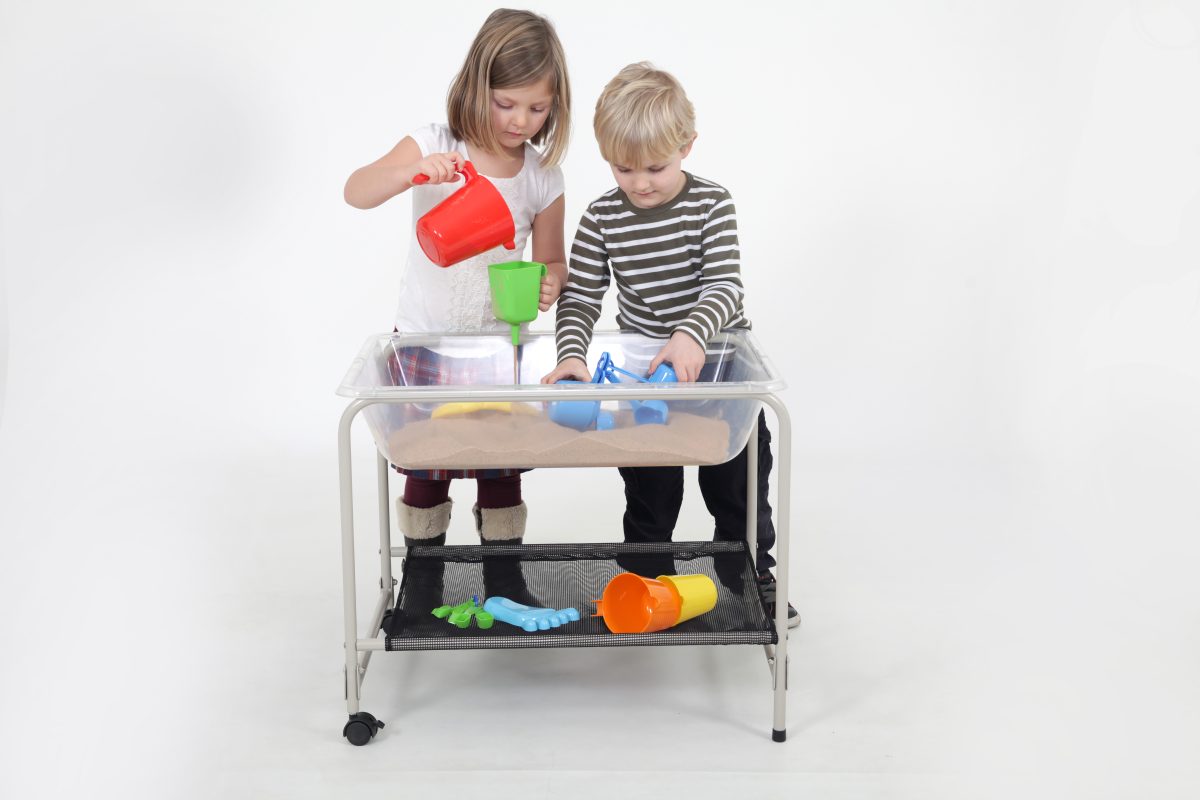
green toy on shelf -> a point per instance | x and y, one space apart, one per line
461 614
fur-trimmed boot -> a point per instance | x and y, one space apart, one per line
502 576
422 576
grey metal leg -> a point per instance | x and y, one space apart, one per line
383 472
752 493
361 727
349 609
783 517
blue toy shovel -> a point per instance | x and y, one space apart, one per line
645 412
582 415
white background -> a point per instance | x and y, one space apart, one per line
971 244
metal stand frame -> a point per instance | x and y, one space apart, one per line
358 650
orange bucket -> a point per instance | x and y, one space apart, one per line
471 221
633 604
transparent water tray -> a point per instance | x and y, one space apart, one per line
449 401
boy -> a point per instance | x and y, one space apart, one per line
670 239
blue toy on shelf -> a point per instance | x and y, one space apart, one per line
527 618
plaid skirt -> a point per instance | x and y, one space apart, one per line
420 366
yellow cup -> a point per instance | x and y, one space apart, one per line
697 594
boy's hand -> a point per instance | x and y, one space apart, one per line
437 167
684 354
569 369
551 289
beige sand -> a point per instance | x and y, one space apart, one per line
491 439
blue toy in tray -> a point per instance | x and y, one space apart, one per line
586 414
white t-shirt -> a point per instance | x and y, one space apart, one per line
457 299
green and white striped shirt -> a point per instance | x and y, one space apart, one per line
677 268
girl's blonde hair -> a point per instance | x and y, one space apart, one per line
512 49
643 116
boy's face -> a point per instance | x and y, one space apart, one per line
652 184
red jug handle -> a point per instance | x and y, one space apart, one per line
467 169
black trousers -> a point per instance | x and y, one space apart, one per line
654 495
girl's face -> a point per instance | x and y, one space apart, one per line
518 113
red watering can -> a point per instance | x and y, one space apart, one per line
468 222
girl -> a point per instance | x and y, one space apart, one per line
511 93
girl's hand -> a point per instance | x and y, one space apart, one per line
551 289
569 369
438 167
684 354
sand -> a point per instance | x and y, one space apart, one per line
492 439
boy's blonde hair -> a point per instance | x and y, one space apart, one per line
512 49
643 116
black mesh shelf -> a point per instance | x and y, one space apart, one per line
572 575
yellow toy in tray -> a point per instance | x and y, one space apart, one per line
463 409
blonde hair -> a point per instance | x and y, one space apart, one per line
512 49
643 116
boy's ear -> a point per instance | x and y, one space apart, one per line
687 148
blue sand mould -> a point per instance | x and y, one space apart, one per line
528 618
584 414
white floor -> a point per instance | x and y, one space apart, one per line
183 639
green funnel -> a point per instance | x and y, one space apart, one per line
516 288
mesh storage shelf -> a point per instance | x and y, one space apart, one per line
571 575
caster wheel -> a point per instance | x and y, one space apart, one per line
361 728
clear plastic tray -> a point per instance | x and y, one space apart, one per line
449 402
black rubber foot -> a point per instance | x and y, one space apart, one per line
361 728
778 736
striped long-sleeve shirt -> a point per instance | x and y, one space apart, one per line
677 268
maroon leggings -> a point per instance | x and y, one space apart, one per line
491 492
